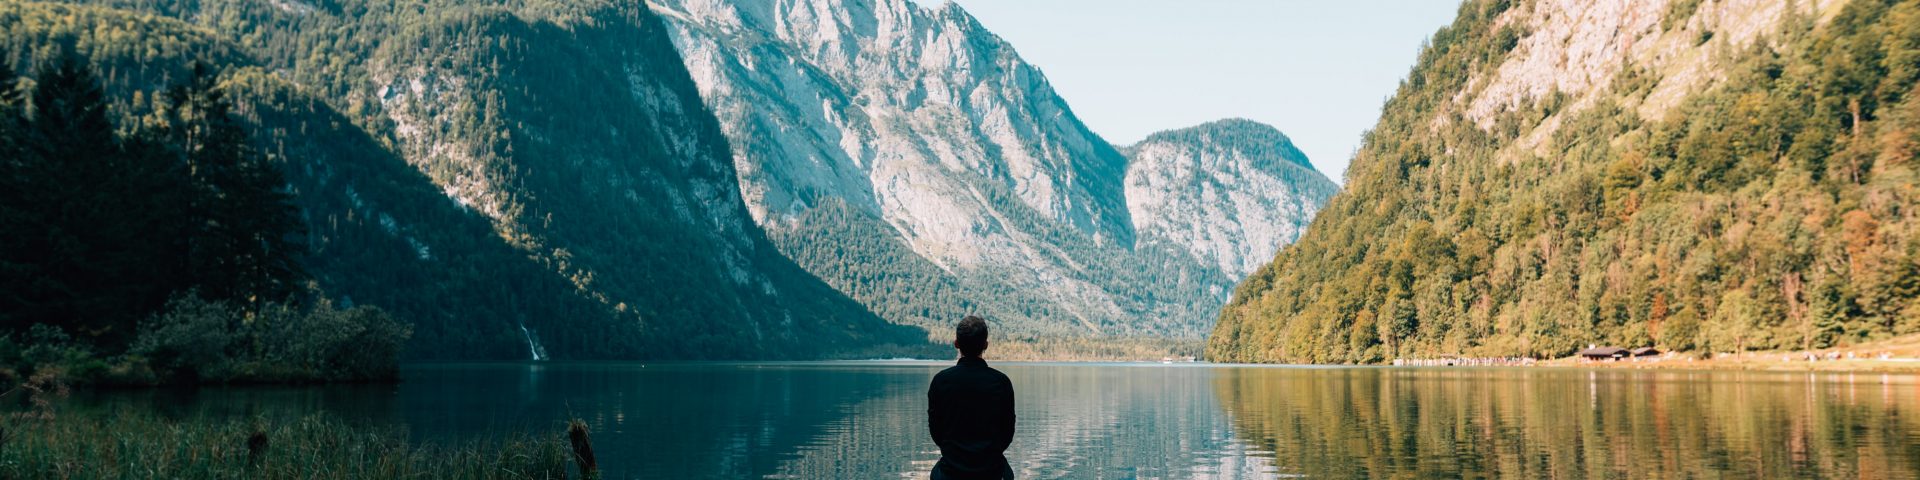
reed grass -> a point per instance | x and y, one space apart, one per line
582 443
133 445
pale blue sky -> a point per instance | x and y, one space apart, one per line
1318 70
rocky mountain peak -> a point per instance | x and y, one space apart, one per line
1230 192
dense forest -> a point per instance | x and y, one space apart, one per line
546 193
158 248
1773 209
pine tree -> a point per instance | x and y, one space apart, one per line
71 273
10 105
11 216
9 83
243 230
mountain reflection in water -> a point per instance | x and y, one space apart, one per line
868 419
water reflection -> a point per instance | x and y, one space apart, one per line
672 420
1541 423
867 419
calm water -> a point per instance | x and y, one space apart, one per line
859 420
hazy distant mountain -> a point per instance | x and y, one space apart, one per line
867 130
1229 192
1718 176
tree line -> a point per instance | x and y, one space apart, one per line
160 247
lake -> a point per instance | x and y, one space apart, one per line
859 420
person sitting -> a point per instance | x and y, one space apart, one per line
970 411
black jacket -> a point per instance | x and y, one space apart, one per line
970 412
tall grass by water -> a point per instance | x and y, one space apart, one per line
120 444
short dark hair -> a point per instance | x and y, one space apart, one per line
970 335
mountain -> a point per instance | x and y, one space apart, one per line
516 177
912 159
1711 176
1229 192
707 179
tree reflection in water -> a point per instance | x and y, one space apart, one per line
1552 423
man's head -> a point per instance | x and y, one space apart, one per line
970 336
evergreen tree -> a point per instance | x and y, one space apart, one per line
88 216
9 83
11 217
10 105
243 230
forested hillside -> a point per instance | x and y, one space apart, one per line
157 245
1714 176
556 188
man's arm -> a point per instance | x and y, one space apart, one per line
1004 437
935 425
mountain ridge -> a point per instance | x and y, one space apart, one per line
627 204
1270 141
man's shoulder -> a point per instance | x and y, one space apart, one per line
949 373
945 372
971 371
1002 377
995 372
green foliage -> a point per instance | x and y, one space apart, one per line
88 214
1678 12
201 341
243 232
100 223
102 219
1771 210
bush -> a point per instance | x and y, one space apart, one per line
191 339
198 341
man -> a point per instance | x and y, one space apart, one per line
970 411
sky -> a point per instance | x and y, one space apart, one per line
1318 70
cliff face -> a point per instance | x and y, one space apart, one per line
1229 193
923 121
897 109
574 131
913 134
1720 176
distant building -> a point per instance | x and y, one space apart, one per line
1604 353
1646 352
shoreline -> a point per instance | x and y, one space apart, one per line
1858 365
1771 362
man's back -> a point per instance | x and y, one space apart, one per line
970 413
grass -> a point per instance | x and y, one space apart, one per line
136 445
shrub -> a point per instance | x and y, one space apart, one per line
192 339
195 340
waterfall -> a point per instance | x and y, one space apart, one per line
533 348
